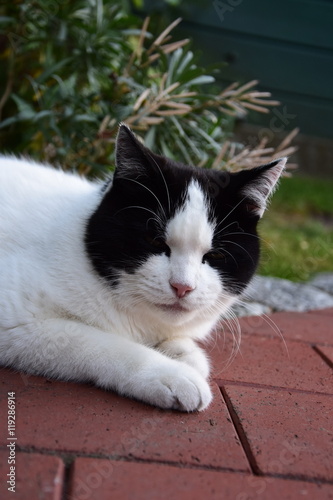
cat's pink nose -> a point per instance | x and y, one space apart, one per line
181 289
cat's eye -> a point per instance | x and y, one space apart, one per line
213 255
157 243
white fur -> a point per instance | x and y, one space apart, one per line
189 234
261 190
58 318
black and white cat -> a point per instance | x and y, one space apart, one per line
113 283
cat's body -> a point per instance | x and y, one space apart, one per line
113 283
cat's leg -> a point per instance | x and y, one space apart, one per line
186 351
73 351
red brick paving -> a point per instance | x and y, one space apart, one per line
271 362
38 476
268 433
312 327
327 311
327 353
289 433
107 479
88 420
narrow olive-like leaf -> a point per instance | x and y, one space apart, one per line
150 137
42 114
10 121
6 20
171 112
85 118
201 80
183 150
255 107
179 105
174 60
187 60
167 30
24 108
53 69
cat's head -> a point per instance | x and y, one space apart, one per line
176 240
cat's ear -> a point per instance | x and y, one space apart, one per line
260 185
132 157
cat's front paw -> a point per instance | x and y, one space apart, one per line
198 360
188 352
178 386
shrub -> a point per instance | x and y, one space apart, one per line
71 71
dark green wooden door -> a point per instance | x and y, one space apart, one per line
287 45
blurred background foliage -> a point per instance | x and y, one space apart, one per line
71 71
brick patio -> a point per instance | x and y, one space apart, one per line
267 435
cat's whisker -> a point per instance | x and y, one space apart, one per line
244 234
233 327
163 178
233 209
260 238
224 227
223 250
276 329
156 217
150 191
270 323
240 246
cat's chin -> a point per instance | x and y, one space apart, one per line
173 308
173 314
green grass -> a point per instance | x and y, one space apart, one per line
297 229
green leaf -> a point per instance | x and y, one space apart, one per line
85 118
150 138
6 20
165 148
188 58
201 80
174 61
53 69
26 111
42 114
9 121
